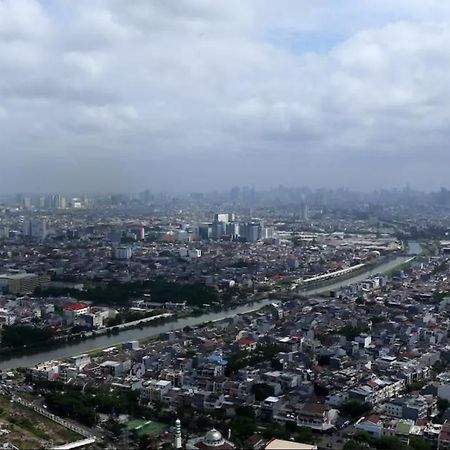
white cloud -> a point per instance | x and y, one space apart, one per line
224 84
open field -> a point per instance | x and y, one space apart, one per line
142 427
27 429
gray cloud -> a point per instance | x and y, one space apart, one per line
197 94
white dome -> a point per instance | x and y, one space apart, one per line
213 438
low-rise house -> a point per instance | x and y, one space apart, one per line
371 424
317 416
444 437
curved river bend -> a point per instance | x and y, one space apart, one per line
104 341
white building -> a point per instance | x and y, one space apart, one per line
6 317
123 252
190 253
371 424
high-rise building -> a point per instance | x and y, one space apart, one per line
140 233
178 443
266 232
26 202
4 232
204 231
218 229
304 211
35 229
233 229
251 231
123 252
222 217
20 283
55 201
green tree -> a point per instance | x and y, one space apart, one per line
354 445
389 443
418 443
354 409
24 335
262 391
243 427
351 332
443 404
245 411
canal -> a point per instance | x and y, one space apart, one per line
104 341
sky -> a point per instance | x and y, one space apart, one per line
189 95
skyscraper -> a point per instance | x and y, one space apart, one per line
35 229
304 211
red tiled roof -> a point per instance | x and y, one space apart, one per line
247 341
373 418
445 432
75 306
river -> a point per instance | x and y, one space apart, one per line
149 331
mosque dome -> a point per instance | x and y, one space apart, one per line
213 438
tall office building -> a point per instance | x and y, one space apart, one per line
26 203
304 211
233 229
140 233
204 231
218 229
35 229
123 252
222 217
251 231
266 232
4 232
58 202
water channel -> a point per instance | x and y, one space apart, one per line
148 331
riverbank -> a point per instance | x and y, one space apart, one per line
138 333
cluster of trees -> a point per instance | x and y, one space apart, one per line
351 332
354 409
241 359
365 441
262 390
24 335
70 403
195 294
244 425
442 267
120 294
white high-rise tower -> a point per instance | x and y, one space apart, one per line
177 433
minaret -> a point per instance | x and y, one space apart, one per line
177 434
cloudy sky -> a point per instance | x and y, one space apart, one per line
112 95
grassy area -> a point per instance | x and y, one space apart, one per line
148 339
99 351
147 428
400 267
430 248
28 429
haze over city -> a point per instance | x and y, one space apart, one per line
192 95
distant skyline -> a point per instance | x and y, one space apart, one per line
195 95
302 190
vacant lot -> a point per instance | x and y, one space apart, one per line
28 430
